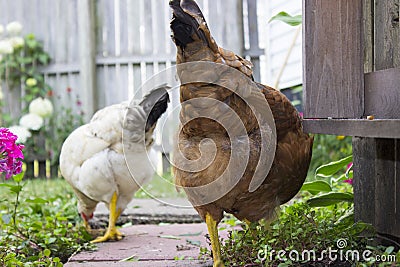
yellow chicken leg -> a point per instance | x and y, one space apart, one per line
215 245
112 232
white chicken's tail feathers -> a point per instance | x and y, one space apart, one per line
154 104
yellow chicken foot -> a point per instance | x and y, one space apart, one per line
112 232
215 245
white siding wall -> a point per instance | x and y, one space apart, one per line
276 38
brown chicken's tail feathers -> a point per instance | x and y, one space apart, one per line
188 26
187 21
154 104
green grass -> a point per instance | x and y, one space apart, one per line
160 187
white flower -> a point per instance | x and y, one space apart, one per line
31 121
42 107
1 93
17 42
6 47
14 28
21 132
1 29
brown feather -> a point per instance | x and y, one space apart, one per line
293 149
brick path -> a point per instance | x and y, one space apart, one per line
152 245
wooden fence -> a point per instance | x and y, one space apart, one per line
351 73
104 50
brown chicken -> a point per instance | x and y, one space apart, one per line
221 126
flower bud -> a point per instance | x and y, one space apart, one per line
31 82
14 28
17 42
42 107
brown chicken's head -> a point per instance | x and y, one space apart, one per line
188 24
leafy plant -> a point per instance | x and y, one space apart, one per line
322 220
37 230
42 130
328 148
288 19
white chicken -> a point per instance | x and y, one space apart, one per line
109 158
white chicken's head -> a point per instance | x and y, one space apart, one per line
85 212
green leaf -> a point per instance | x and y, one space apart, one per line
47 252
193 242
37 200
16 188
170 237
347 218
288 19
331 168
330 199
6 218
18 177
192 234
316 187
51 240
130 258
389 250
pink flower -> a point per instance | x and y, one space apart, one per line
349 181
10 153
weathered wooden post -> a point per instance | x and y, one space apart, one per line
351 72
87 48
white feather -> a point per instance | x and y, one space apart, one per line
96 163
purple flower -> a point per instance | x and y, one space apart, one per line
10 153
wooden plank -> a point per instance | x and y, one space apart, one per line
124 83
109 27
100 28
364 128
387 34
123 27
87 56
382 94
397 190
137 81
148 44
254 52
333 62
385 187
134 16
101 82
61 21
368 17
364 186
72 25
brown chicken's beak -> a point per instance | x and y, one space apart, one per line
186 21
